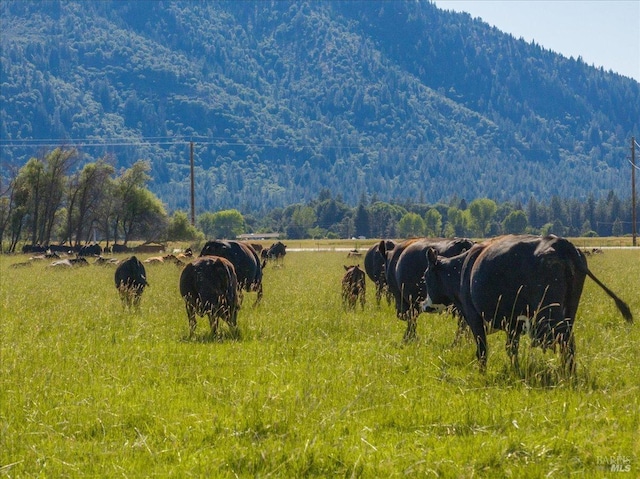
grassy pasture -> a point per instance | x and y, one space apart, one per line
309 390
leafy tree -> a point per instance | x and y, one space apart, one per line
384 218
181 229
205 222
515 222
301 220
139 211
329 212
482 211
433 223
29 182
458 222
57 164
226 224
85 191
411 225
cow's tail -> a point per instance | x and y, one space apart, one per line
622 306
569 248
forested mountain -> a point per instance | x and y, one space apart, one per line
366 99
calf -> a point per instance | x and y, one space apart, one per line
209 286
353 287
516 283
131 279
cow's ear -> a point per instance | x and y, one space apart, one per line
346 268
432 256
382 248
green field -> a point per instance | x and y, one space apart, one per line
309 390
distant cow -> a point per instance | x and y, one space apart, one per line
209 286
277 251
34 248
120 248
404 270
516 283
245 260
353 287
131 279
90 250
374 267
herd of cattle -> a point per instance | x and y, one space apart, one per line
514 283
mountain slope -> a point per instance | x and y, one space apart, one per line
284 99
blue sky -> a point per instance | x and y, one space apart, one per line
605 33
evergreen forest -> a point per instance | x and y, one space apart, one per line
330 107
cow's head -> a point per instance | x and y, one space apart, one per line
432 282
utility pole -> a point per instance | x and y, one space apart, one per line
193 199
633 189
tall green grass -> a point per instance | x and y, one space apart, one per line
308 390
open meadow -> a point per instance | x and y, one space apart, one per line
308 389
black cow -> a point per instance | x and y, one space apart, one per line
90 250
277 251
120 248
374 267
34 248
245 261
404 270
209 286
353 287
516 283
131 279
57 248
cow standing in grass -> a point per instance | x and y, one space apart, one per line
277 252
209 286
353 287
404 270
516 283
131 279
245 261
374 267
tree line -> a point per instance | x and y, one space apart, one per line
286 99
50 200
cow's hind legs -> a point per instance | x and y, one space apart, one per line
213 322
567 355
462 327
480 336
191 316
378 294
513 342
412 325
